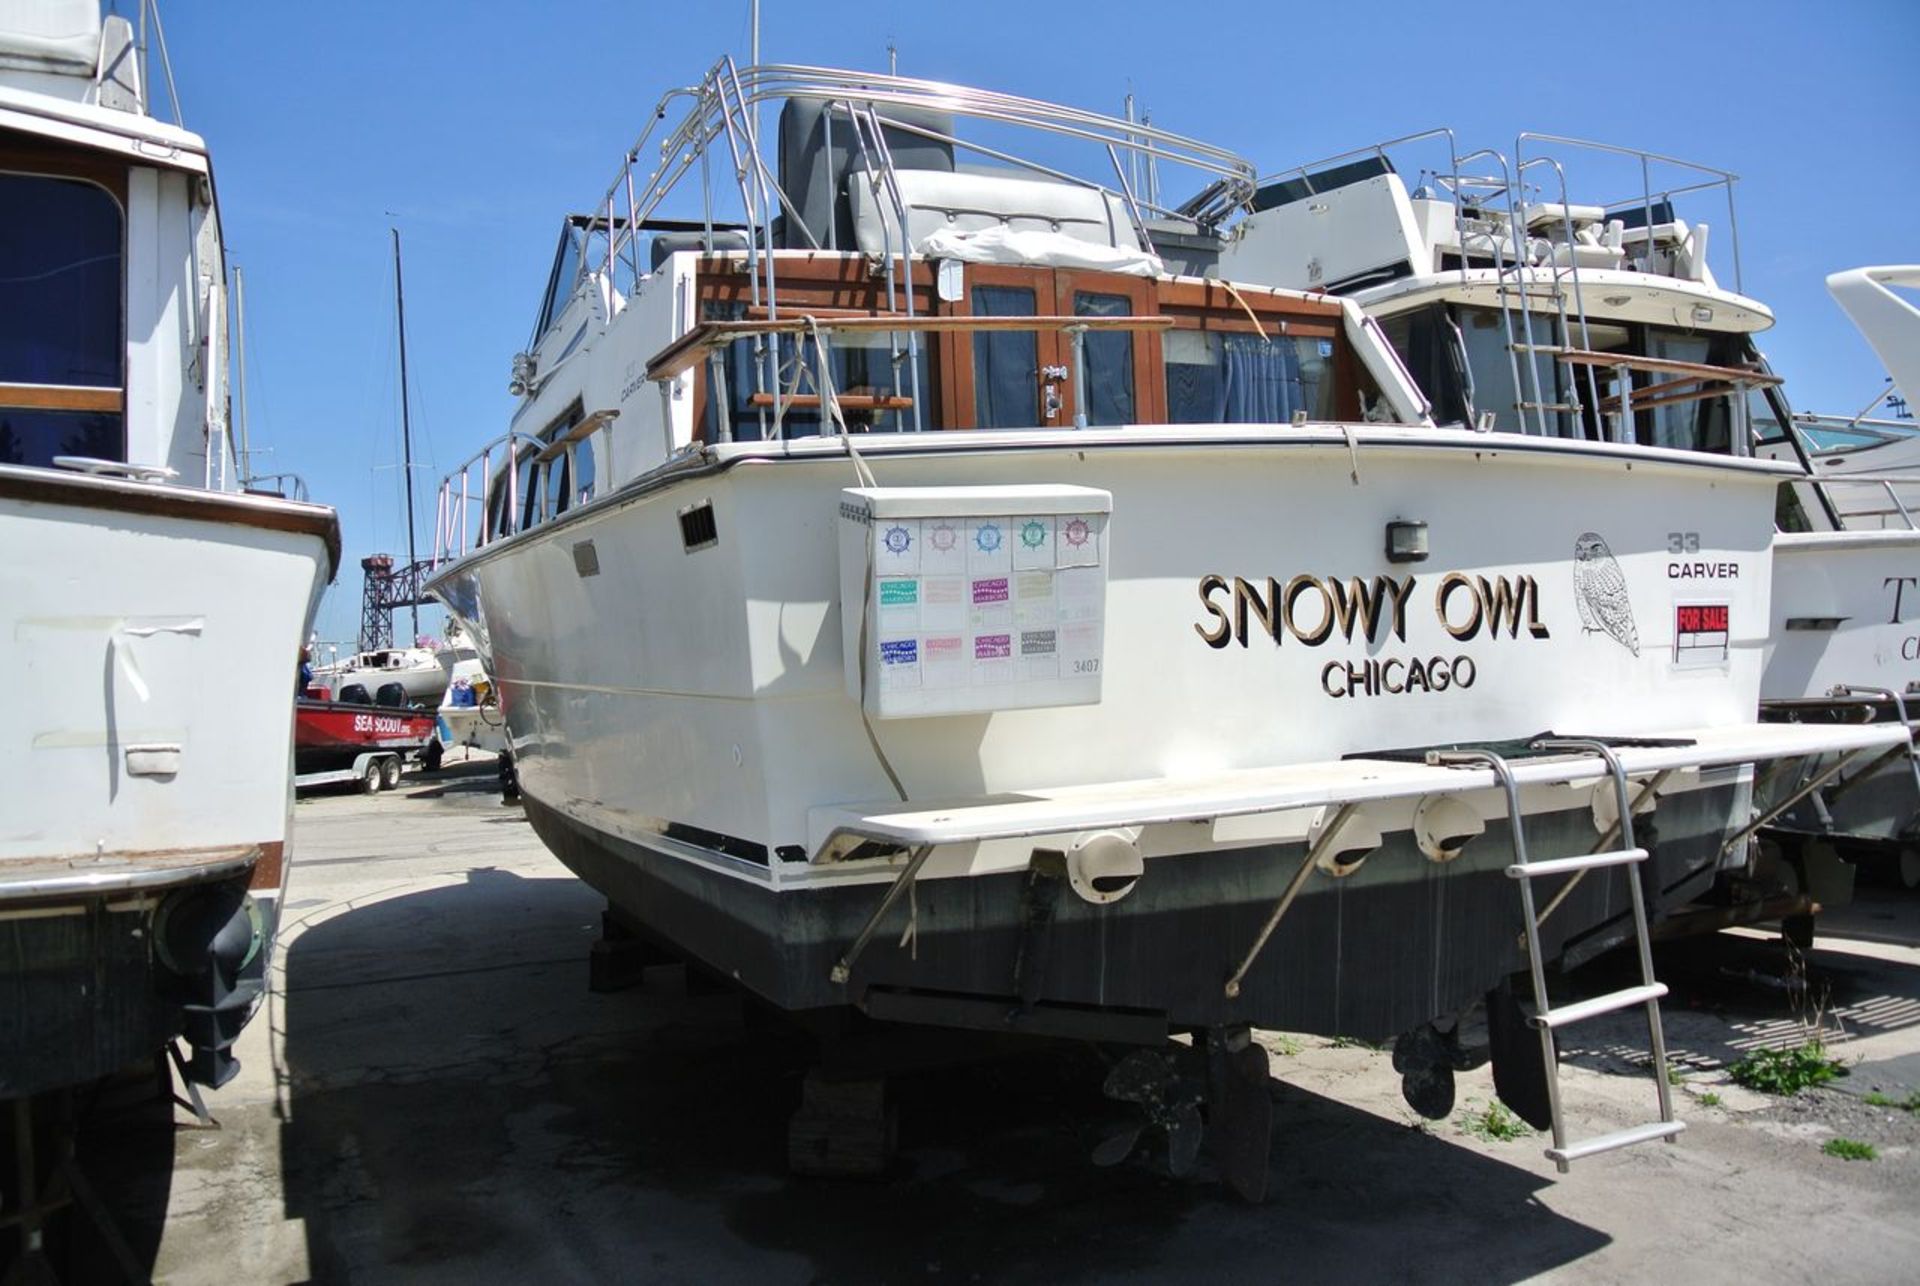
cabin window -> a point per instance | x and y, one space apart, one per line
1109 360
863 379
559 492
529 492
62 345
1006 363
581 463
1244 379
1699 424
566 274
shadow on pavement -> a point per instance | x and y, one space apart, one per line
463 1109
1731 994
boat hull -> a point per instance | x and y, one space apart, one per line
1400 941
681 718
328 736
1846 611
144 765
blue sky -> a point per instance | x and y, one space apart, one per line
474 127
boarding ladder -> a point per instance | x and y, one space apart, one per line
1543 1016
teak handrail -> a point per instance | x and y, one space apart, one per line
685 352
847 402
1730 374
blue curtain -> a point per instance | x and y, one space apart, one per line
1262 383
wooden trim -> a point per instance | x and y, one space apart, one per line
267 871
1212 297
1149 393
585 427
847 401
686 351
115 495
1657 365
55 397
27 154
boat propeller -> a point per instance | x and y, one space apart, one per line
1213 1095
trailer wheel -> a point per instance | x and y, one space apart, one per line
370 778
390 772
431 756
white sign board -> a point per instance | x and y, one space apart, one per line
968 599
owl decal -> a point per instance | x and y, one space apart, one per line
1600 592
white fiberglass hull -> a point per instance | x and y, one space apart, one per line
152 635
1846 613
677 709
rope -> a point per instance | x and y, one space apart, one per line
1245 307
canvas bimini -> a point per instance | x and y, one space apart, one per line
1520 310
918 588
151 605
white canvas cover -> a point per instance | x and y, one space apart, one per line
1002 244
60 36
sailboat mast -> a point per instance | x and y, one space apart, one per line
406 423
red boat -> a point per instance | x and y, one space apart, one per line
329 735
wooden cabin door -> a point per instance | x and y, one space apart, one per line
1006 377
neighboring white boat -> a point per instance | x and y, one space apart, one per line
918 588
470 715
423 673
1874 464
1521 308
151 608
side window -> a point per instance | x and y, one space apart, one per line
1244 379
62 345
558 493
1109 359
1006 363
529 493
582 468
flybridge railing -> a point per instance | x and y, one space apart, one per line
722 112
467 488
1493 215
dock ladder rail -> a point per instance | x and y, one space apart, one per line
1542 1015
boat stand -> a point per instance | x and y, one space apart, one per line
37 1204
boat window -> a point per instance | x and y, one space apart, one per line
1109 360
1006 363
529 492
61 335
559 493
1494 371
1426 344
560 284
863 379
1244 379
582 465
1698 424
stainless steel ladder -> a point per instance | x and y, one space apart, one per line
1542 1015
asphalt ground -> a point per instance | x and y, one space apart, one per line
435 1095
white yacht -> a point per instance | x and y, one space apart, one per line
423 674
1873 463
1520 310
152 607
923 579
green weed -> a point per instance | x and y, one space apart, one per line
1494 1123
1911 1103
1787 1071
1849 1150
1709 1099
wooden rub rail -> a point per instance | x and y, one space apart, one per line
685 353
